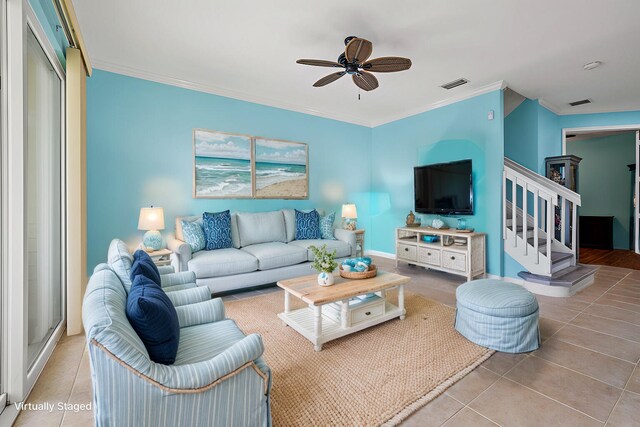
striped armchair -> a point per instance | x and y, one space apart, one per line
218 378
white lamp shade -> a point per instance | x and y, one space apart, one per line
151 219
349 211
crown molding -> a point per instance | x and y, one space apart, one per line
549 106
216 90
499 85
242 96
592 110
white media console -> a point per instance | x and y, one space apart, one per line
467 258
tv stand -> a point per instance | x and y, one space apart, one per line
466 260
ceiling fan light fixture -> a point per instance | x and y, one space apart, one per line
355 62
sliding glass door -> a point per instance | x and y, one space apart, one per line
32 202
44 243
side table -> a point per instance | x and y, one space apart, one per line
161 257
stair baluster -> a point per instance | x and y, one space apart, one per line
536 254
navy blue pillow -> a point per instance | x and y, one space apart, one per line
143 264
308 225
154 318
217 230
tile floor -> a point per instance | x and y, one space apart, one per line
585 374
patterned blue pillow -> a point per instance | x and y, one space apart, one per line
194 235
217 230
308 225
326 226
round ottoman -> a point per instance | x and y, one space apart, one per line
499 315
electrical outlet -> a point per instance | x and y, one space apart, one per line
490 115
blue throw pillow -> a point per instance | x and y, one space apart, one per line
154 318
326 226
194 235
143 265
308 225
217 230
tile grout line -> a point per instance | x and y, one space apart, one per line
555 400
603 333
610 318
483 416
75 378
589 349
580 373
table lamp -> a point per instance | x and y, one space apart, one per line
349 216
152 220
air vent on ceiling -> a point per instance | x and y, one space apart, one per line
455 83
581 102
571 135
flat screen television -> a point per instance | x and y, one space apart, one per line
444 188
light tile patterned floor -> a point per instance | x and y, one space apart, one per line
585 374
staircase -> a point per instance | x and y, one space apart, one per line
538 217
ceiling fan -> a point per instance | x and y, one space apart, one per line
354 61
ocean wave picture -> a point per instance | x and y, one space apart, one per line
281 169
222 165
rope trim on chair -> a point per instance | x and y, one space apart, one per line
155 383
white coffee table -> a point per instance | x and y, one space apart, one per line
342 309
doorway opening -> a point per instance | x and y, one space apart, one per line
608 185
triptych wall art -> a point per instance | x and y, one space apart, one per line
234 166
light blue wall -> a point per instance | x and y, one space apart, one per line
549 137
46 14
599 119
605 181
139 153
550 140
455 132
521 134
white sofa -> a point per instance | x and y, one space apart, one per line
264 251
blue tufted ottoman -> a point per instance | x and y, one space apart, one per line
499 315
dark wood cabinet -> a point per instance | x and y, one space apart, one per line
564 171
596 232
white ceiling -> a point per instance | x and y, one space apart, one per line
247 50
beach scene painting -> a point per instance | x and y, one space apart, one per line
222 165
281 169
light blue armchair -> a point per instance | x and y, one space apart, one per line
218 378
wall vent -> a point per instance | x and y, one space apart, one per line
455 83
581 102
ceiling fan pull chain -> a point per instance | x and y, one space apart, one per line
358 94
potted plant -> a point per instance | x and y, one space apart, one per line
324 262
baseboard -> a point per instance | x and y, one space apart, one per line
381 254
506 279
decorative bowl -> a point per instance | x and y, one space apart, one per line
372 272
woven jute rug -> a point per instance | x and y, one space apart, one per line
378 376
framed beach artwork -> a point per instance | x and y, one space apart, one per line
281 169
222 165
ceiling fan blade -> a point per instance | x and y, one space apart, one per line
358 50
365 81
387 64
319 63
329 79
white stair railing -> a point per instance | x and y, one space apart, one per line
525 188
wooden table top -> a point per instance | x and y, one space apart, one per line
307 289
